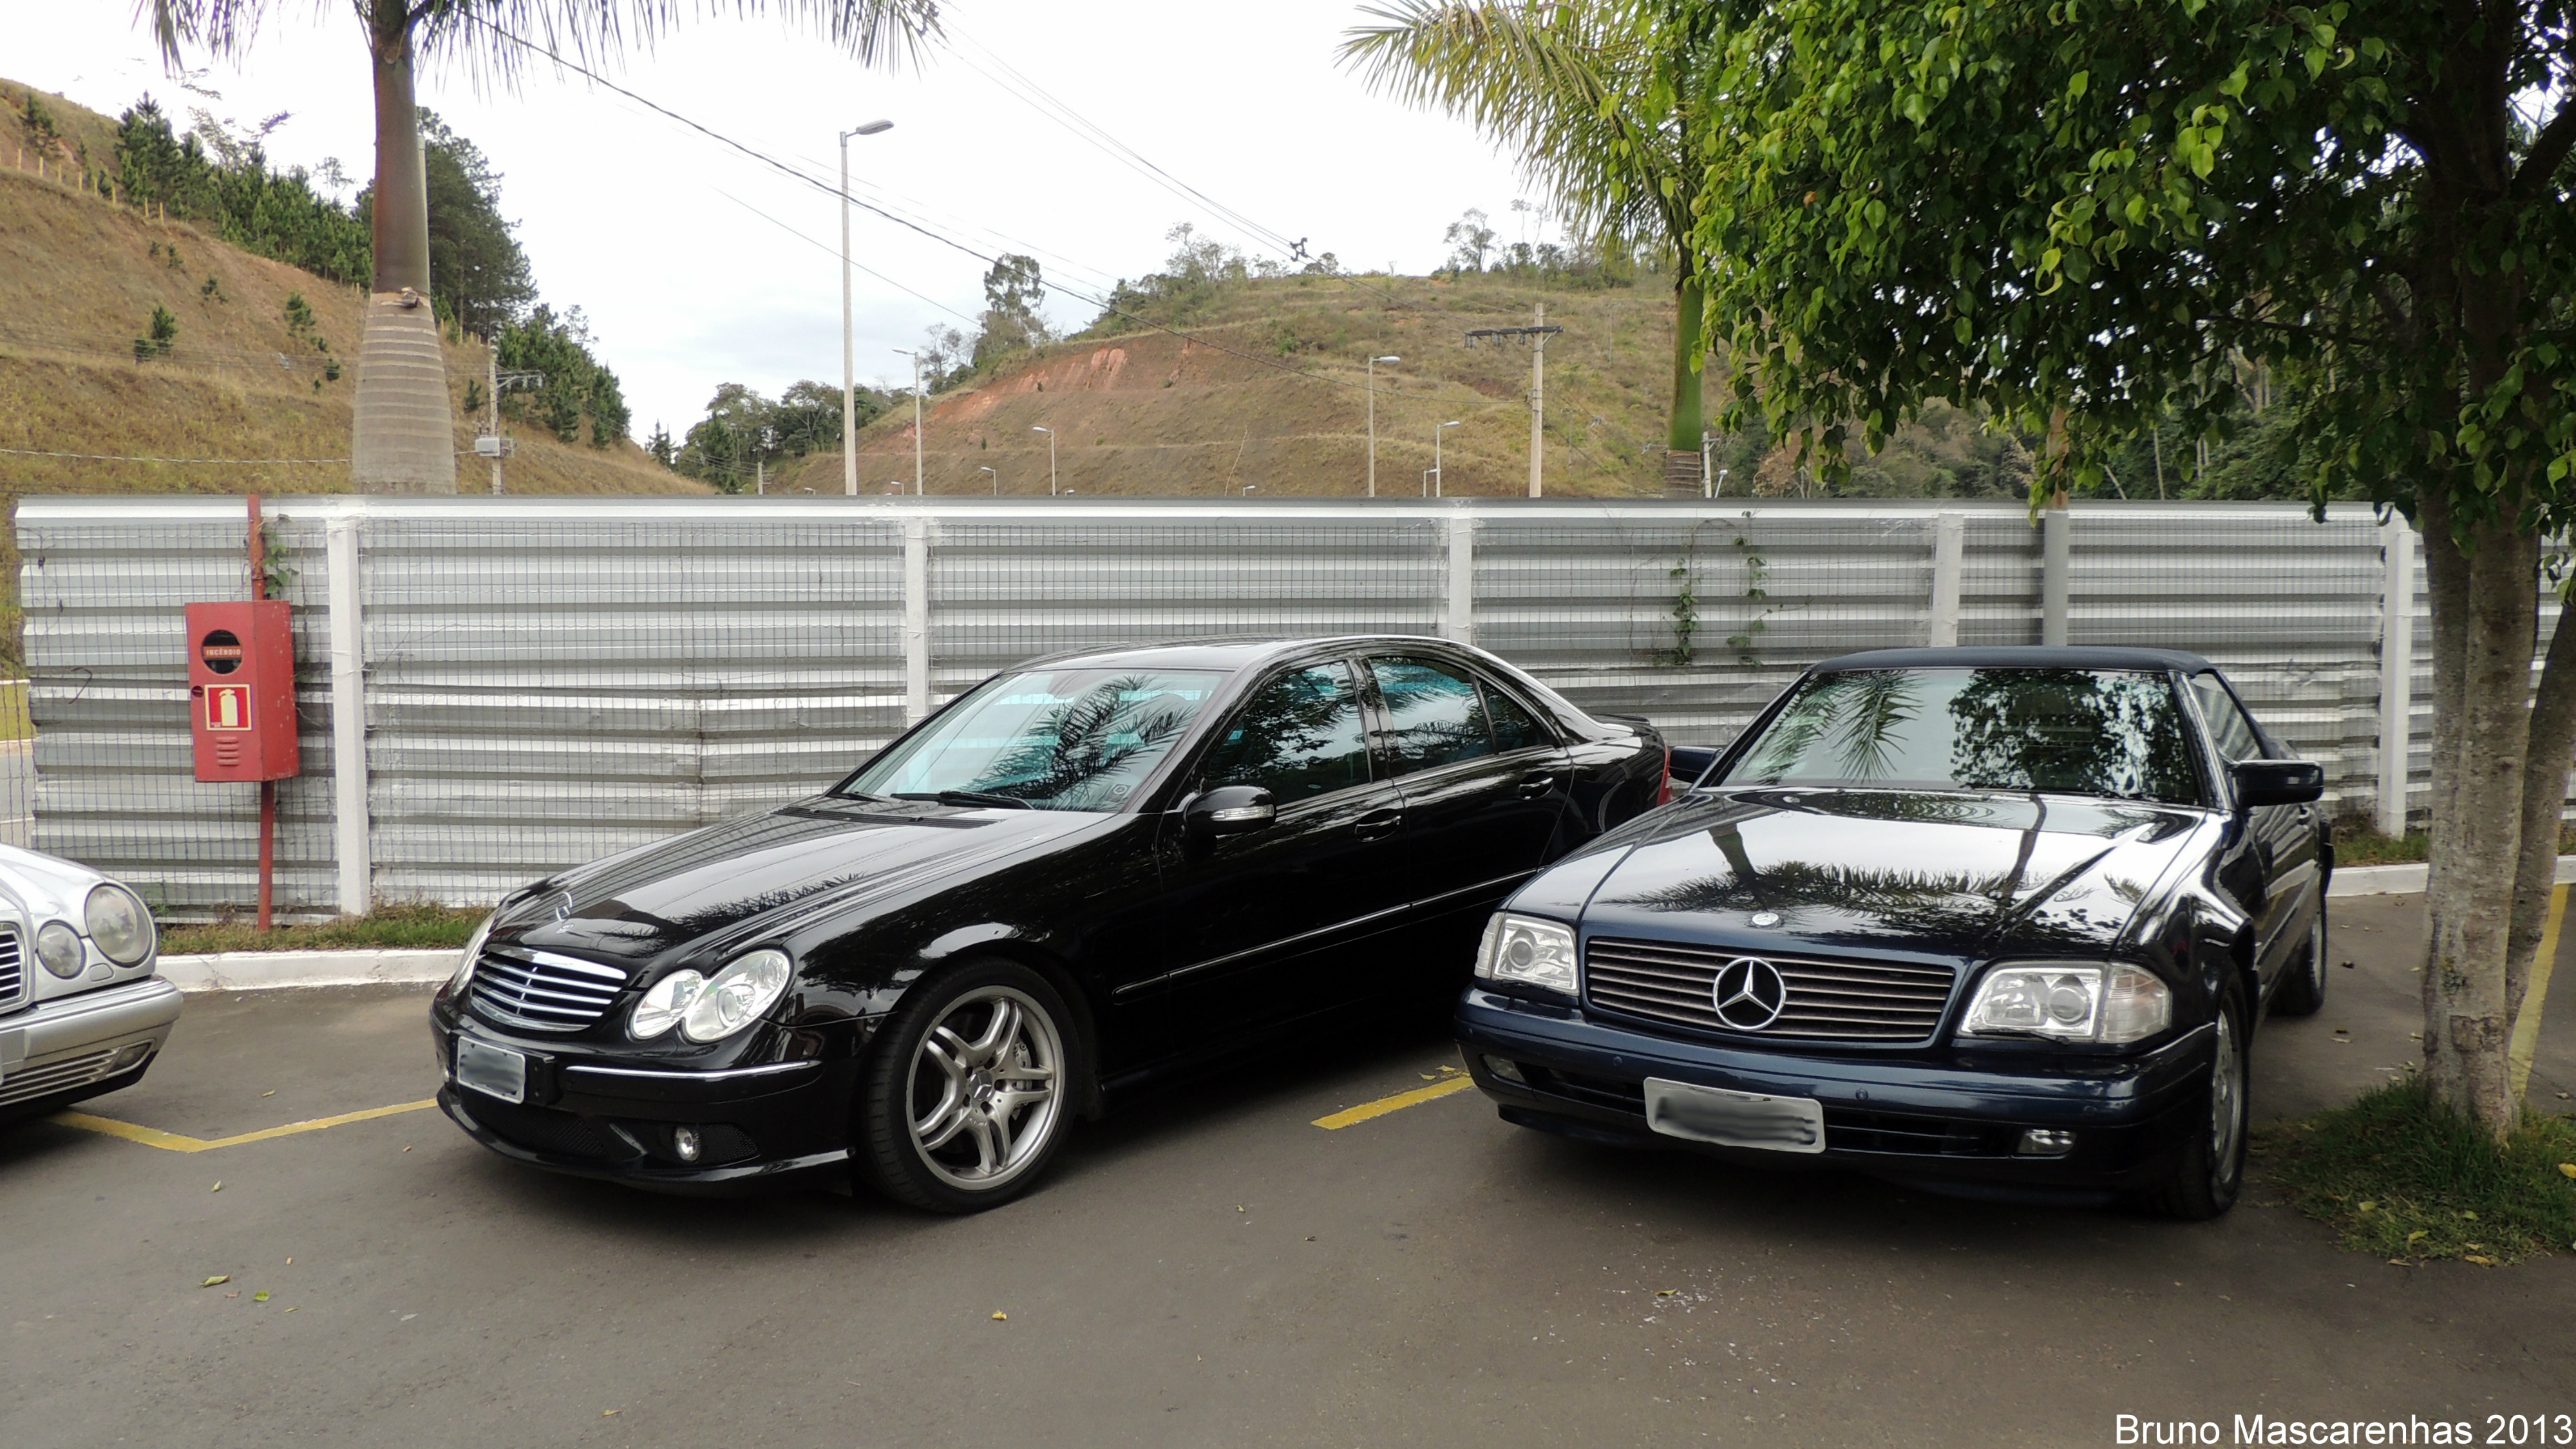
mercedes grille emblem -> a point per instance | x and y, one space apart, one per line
1749 993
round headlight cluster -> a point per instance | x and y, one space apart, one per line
711 1010
119 924
59 947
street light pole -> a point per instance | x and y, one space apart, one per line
997 483
1050 458
916 415
849 372
1372 406
1436 479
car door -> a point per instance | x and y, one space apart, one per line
1265 927
2281 839
1485 786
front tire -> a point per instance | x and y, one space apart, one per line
969 1094
2304 994
2209 1172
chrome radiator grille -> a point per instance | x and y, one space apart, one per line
542 991
1825 1001
57 1076
13 971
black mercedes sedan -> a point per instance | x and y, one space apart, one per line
1997 922
1084 874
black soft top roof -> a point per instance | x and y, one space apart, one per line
2019 656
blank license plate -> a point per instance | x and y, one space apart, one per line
1735 1119
493 1071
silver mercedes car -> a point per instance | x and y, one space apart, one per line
82 1009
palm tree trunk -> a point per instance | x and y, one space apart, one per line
403 440
1683 463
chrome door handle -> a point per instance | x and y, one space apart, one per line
1377 823
1537 785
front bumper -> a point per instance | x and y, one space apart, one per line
1940 1121
61 1051
589 1114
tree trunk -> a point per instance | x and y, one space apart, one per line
1688 296
2484 602
2544 803
403 440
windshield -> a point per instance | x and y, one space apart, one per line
1048 739
2110 732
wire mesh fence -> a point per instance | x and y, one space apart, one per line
549 681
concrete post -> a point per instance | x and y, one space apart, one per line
2396 671
916 618
2052 575
1949 556
351 846
1459 618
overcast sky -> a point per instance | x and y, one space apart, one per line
626 214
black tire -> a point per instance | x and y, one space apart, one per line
2209 1172
938 1124
2303 993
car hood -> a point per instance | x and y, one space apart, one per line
36 886
815 853
1954 875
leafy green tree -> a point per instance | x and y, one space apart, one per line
577 386
1469 238
400 442
1600 99
2098 220
220 179
1013 291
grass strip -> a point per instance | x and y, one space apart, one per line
389 927
2401 1176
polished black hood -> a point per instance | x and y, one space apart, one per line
821 852
1945 874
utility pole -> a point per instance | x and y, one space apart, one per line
916 423
492 390
491 444
849 376
1372 407
1536 335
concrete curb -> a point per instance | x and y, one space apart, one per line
267 970
2408 880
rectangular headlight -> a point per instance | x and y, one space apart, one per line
1527 950
2067 1001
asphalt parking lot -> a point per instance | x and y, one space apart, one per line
1212 1269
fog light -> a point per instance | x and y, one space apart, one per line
1508 1071
2046 1142
130 1055
684 1143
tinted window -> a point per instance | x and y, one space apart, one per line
1299 737
1513 727
2069 731
1056 739
2229 730
1433 713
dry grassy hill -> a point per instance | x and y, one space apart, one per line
79 277
1152 413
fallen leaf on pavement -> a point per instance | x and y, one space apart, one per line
1001 1318
260 1297
2482 1260
217 1281
218 1187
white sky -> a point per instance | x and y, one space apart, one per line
623 213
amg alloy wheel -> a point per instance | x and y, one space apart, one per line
2305 992
2210 1170
966 1100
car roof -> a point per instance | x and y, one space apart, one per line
2019 656
1227 654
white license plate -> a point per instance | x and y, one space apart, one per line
493 1071
1735 1119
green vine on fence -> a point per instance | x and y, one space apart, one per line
1757 572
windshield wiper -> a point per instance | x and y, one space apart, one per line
969 797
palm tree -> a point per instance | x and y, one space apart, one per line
1597 96
402 440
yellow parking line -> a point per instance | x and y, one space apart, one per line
173 1142
1367 1111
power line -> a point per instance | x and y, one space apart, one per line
784 169
861 266
117 458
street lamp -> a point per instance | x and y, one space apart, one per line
997 483
849 373
916 414
1372 392
1050 458
1435 454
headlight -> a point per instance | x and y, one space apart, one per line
119 924
2070 1003
59 947
1526 949
473 951
737 996
669 999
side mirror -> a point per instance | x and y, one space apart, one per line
2278 782
1228 810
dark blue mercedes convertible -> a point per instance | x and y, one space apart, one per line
1989 921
